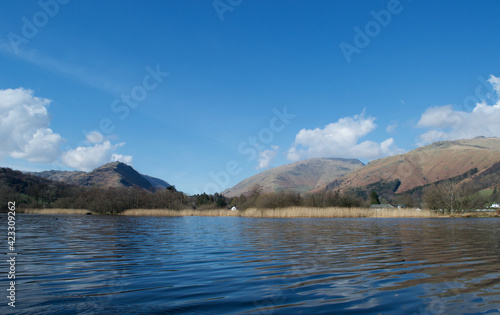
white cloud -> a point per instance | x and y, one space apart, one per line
24 127
266 157
25 134
94 137
441 117
127 159
446 123
340 139
392 127
495 82
88 158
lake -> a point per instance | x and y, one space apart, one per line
69 264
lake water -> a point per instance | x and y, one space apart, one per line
71 264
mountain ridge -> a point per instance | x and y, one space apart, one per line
114 174
301 176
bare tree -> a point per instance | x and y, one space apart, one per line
451 193
433 197
255 191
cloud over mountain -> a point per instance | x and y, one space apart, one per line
25 134
447 123
266 157
87 158
341 139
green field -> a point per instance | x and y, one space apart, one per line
486 192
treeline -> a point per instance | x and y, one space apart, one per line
256 199
115 200
27 190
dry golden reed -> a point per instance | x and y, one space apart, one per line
291 212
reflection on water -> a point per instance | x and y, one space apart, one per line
210 265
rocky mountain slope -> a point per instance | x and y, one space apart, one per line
114 174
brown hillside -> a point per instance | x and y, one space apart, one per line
428 164
300 176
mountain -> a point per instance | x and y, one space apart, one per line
300 176
425 165
116 174
489 179
156 182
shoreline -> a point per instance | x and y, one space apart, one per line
55 211
292 212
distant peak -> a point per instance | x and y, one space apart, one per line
114 164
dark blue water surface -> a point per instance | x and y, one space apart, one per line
69 264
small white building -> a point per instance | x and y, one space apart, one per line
495 206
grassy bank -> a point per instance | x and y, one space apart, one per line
475 215
292 212
54 211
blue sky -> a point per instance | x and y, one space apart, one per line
206 93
